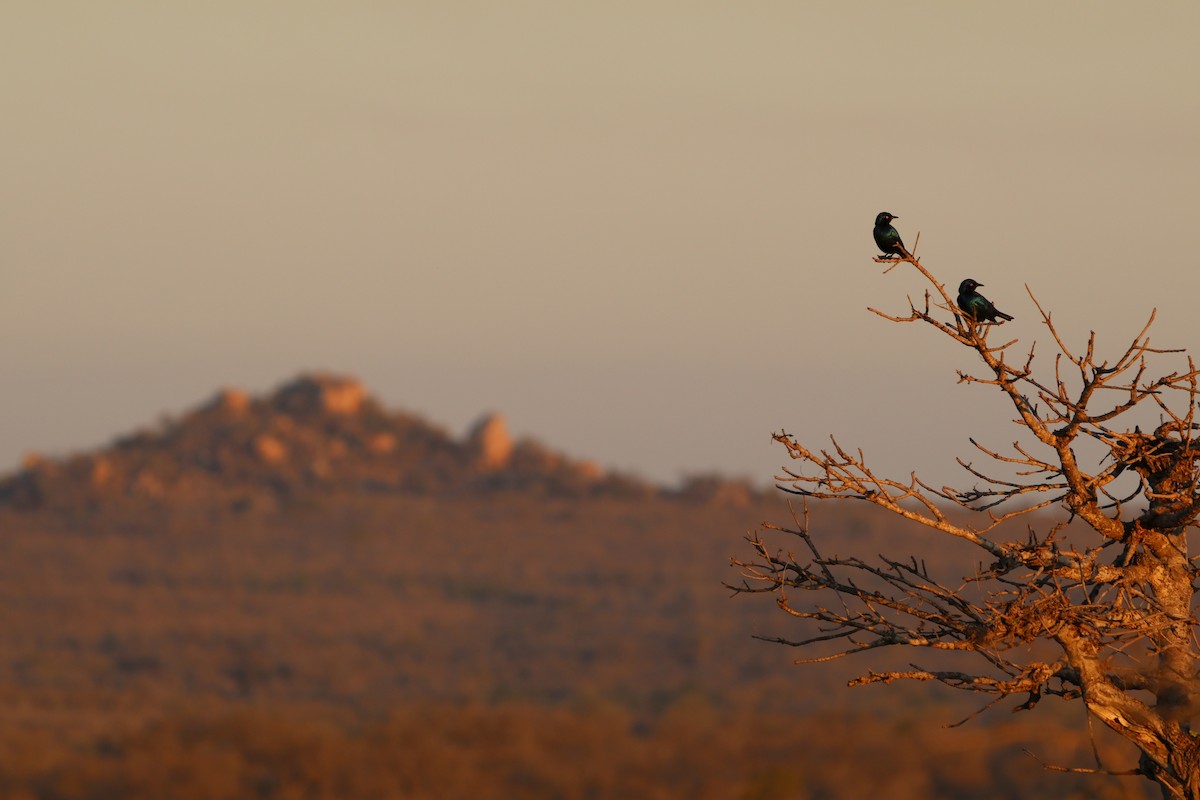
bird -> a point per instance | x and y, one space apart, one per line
888 238
975 306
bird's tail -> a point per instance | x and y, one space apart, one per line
1003 316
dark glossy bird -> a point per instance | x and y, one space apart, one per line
888 238
975 306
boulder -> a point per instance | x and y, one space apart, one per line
489 443
322 393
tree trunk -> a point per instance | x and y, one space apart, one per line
1182 780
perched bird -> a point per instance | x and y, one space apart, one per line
975 306
888 238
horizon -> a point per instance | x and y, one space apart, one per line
353 393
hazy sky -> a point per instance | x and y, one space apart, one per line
640 230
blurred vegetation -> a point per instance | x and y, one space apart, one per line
494 634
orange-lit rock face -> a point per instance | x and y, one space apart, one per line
490 443
269 449
323 393
342 398
233 402
382 443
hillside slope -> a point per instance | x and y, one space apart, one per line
317 435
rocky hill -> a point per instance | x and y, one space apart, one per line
318 434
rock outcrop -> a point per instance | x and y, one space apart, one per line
231 402
319 435
489 443
322 393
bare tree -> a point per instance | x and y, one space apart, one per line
1104 617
